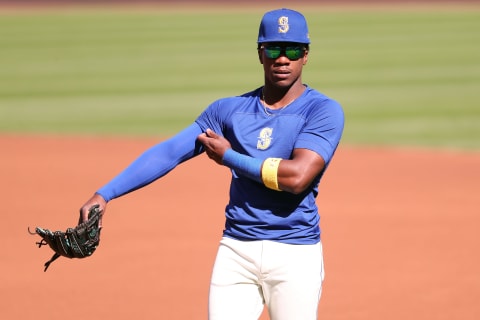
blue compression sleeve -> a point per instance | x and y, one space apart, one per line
243 164
154 163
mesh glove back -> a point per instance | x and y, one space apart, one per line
78 242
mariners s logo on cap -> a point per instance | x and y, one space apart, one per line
283 25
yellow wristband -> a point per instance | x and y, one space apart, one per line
270 173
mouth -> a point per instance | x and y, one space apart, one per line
281 73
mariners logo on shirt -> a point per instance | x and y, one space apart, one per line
264 139
283 25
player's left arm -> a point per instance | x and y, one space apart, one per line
292 175
312 153
295 175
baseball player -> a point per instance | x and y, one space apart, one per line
277 140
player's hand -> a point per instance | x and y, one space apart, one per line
96 199
215 145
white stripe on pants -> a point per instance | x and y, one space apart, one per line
248 274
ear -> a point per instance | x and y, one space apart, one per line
305 58
260 56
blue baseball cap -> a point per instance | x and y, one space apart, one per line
283 25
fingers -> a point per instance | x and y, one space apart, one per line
96 199
214 144
210 133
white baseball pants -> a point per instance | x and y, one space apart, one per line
250 274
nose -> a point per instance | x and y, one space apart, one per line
283 54
282 60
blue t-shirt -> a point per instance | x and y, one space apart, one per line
313 121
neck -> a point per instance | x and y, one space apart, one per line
275 98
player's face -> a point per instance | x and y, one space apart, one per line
283 62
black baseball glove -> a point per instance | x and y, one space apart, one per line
78 242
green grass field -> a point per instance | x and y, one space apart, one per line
407 77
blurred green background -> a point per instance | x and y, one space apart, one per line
405 77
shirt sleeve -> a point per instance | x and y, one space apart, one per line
213 116
323 130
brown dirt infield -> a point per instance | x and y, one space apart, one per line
400 232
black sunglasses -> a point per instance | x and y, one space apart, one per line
291 52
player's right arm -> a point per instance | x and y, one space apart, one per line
153 164
96 199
